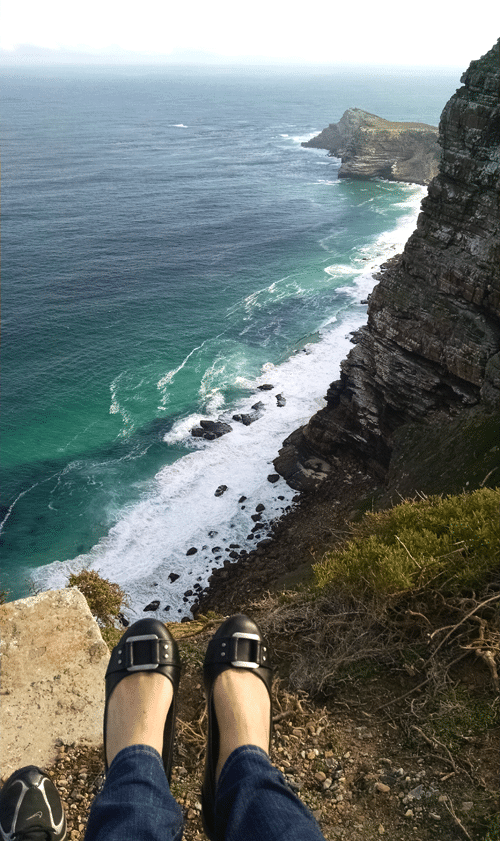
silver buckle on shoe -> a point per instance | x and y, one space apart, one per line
155 653
244 664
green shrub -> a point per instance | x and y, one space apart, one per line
451 542
104 598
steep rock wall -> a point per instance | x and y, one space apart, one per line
370 146
431 345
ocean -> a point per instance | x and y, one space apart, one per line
169 246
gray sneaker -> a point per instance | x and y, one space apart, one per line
30 808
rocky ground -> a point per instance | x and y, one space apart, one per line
296 541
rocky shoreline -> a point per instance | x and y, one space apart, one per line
317 516
429 353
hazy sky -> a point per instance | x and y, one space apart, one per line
427 32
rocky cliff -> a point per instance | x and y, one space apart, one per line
371 146
430 349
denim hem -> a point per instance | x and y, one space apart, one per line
135 750
235 755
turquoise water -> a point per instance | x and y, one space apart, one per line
167 246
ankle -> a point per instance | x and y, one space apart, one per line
242 707
137 710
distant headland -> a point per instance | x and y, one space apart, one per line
370 147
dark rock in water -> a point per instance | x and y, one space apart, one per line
152 605
216 549
220 490
188 593
241 499
185 619
234 546
167 607
123 620
260 507
233 554
217 427
273 478
173 577
192 551
246 419
265 387
280 400
256 517
212 533
249 417
211 429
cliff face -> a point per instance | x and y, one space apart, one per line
431 346
371 146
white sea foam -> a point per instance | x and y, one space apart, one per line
164 382
180 510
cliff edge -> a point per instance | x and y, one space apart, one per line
430 349
53 665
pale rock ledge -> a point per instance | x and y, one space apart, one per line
53 665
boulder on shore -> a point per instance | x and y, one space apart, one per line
210 430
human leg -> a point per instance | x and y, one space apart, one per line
141 683
244 797
135 803
255 803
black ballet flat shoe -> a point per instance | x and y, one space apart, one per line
30 808
147 646
237 644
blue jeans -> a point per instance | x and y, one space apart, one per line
253 802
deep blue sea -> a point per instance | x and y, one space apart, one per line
168 246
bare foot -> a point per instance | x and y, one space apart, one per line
137 711
242 706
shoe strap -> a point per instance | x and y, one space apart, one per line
143 652
247 651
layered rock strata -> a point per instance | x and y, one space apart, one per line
370 146
431 346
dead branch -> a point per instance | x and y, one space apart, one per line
464 619
434 743
448 804
420 615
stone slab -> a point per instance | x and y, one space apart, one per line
53 665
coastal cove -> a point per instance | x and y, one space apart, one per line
177 248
